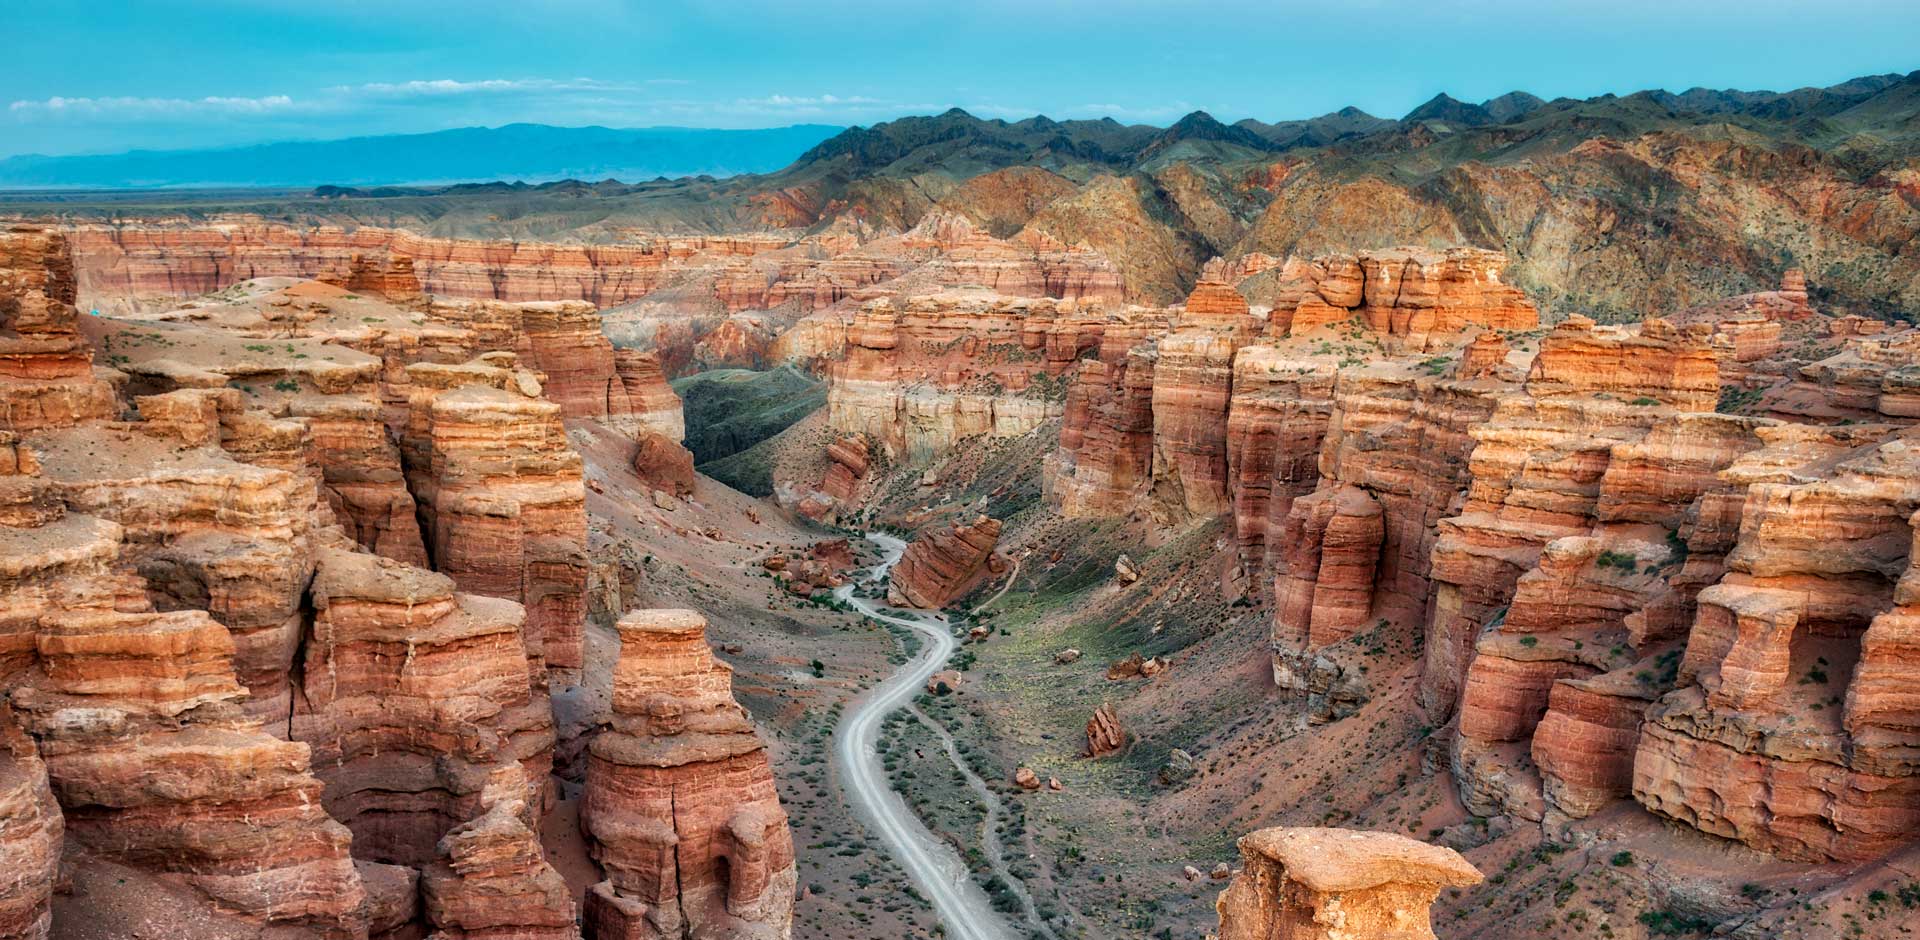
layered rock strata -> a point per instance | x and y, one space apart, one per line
1415 297
31 828
491 879
920 377
47 376
502 497
679 808
1334 884
414 698
945 564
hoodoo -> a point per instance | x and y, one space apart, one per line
680 807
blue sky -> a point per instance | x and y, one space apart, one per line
89 76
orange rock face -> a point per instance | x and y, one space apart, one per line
1105 735
1415 296
1330 550
184 260
1331 884
174 777
491 879
1276 421
848 460
680 809
921 377
945 564
30 836
663 464
502 496
47 378
414 697
1104 464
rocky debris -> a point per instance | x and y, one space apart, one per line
1178 769
1221 872
943 682
945 564
1135 666
1105 735
1054 785
492 880
823 565
1026 779
679 807
1191 873
1066 656
1123 570
1330 884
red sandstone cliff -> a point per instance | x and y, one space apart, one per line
680 809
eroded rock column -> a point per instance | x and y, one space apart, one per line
680 808
1337 884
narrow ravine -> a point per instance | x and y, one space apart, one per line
933 864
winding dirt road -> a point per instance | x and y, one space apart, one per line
961 905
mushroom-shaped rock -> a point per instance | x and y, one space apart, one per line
1337 884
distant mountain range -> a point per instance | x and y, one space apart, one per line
961 145
519 152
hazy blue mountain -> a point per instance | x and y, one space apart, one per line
531 152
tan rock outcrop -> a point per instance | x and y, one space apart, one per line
945 564
1105 734
414 697
502 497
1336 884
680 809
47 376
491 879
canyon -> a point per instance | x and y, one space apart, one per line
1257 539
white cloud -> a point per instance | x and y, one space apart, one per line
448 86
132 107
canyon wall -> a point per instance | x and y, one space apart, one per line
288 573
